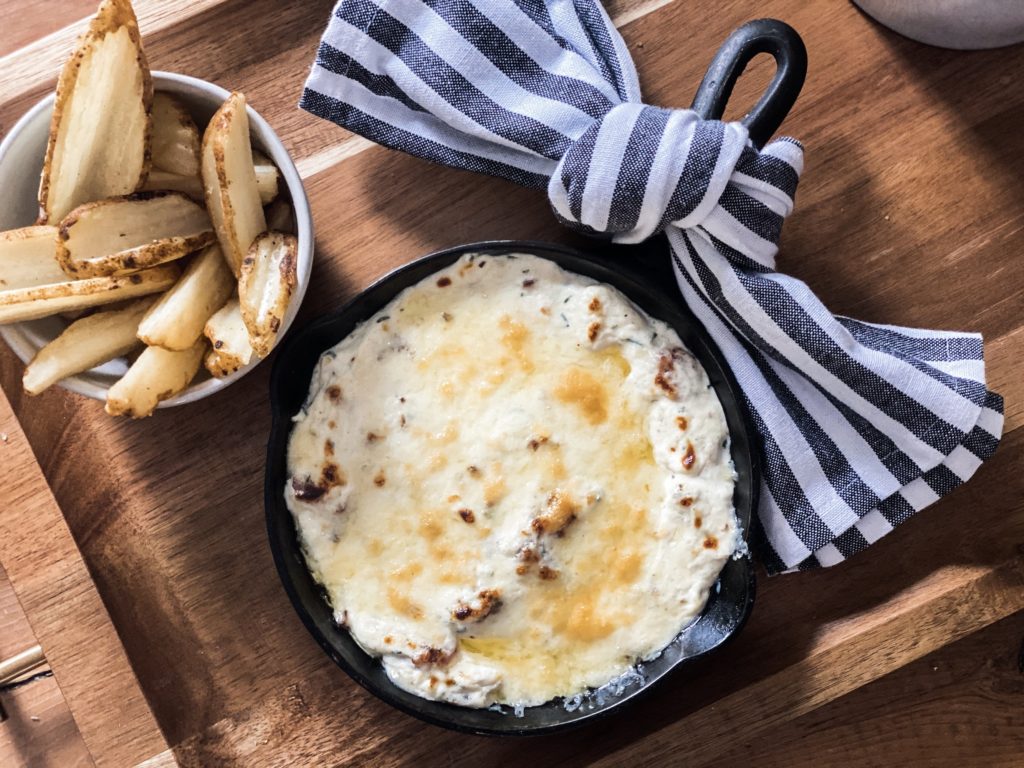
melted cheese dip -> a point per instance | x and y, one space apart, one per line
512 484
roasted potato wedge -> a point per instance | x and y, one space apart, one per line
229 180
125 234
280 217
28 258
41 301
267 177
86 343
175 137
265 287
156 375
165 180
178 318
230 340
100 131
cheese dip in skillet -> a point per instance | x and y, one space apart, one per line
512 483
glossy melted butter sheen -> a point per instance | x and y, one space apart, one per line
512 484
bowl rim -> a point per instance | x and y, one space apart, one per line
15 335
294 574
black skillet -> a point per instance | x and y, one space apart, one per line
649 284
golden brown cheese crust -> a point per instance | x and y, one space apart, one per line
512 484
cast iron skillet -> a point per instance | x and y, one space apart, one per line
648 283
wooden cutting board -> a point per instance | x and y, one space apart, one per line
137 548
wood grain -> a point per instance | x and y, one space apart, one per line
959 706
910 212
39 731
67 616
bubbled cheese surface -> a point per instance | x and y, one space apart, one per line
512 483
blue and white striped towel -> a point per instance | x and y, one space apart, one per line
861 425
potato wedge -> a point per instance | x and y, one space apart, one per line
175 137
192 186
178 318
267 177
22 304
266 286
86 343
28 257
280 217
100 131
125 234
230 340
229 179
156 375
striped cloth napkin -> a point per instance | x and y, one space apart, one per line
861 425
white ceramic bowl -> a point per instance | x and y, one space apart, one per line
21 163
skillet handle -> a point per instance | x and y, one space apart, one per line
753 38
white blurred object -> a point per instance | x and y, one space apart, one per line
961 24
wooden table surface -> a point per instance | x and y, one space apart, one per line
137 550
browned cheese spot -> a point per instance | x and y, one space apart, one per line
444 282
387 640
486 602
682 423
306 490
592 330
561 511
372 437
516 338
522 569
686 501
467 515
595 305
474 471
432 656
548 574
328 448
578 387
401 420
529 283
529 555
331 474
401 603
546 311
698 521
446 317
494 491
710 542
379 480
666 366
537 442
334 393
689 456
